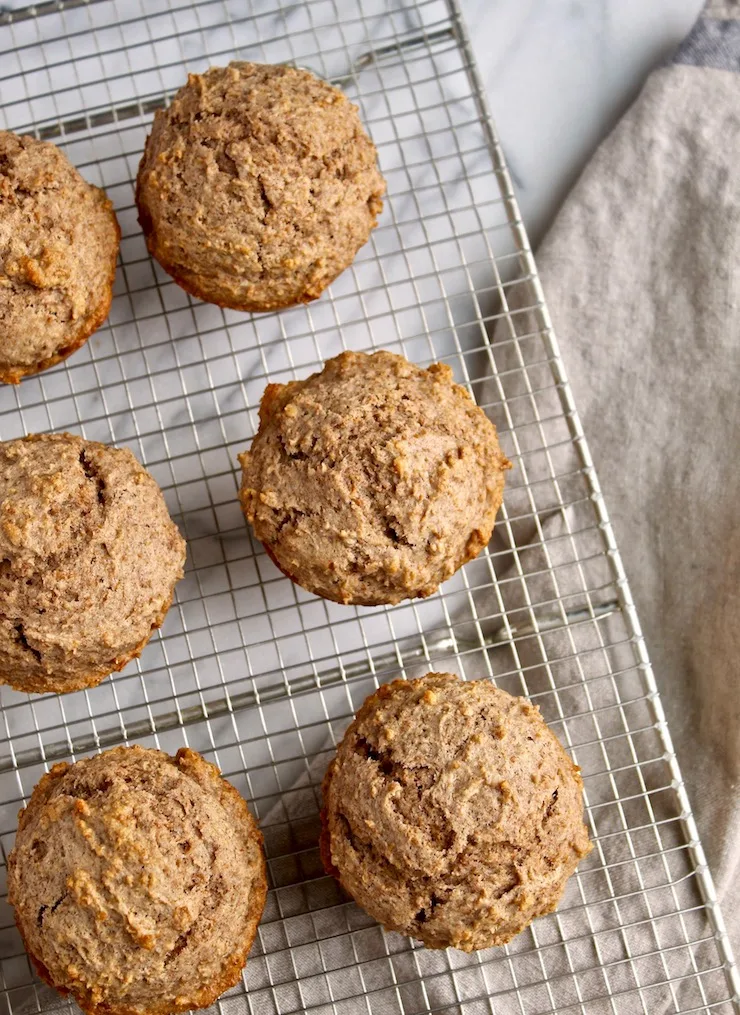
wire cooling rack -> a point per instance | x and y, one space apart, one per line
263 677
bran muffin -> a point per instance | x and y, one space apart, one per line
138 881
452 813
257 186
89 558
58 247
374 480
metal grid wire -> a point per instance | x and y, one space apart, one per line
263 677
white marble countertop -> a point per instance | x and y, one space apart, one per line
559 73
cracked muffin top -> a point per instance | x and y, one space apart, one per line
452 813
89 558
58 247
374 480
257 186
138 881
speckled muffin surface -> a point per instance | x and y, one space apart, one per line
374 480
58 247
138 881
257 186
452 813
89 558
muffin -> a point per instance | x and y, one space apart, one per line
374 480
451 812
89 558
138 881
58 246
257 186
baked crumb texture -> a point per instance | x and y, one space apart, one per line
452 813
257 186
374 480
138 881
59 241
89 558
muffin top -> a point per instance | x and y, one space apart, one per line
374 480
58 248
257 186
138 881
88 561
452 813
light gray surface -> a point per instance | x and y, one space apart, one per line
558 74
180 381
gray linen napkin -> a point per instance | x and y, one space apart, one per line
641 271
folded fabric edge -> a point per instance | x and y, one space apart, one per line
714 40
